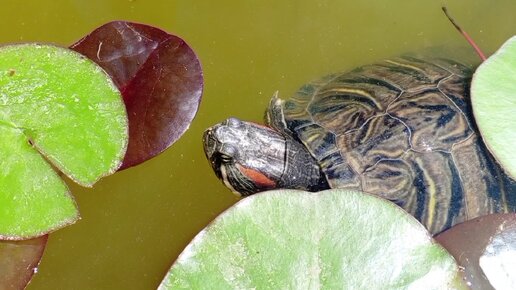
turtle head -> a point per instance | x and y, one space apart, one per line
247 157
250 158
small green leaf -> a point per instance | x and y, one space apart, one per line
493 96
33 198
334 239
57 109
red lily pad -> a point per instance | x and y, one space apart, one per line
485 247
160 78
19 261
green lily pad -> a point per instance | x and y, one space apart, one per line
334 239
57 110
493 96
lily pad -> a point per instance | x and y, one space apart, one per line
493 96
486 248
58 110
334 239
19 261
159 76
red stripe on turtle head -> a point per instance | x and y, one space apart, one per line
258 178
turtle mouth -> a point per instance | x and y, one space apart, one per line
210 143
237 182
210 150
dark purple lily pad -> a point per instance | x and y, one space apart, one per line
160 78
19 261
482 246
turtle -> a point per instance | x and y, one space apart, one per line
401 128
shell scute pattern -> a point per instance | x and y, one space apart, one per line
435 122
364 147
434 189
406 74
341 173
456 90
479 174
397 173
402 129
337 105
321 141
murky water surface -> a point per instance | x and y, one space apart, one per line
136 222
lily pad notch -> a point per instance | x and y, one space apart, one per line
58 110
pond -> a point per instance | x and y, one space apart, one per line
136 222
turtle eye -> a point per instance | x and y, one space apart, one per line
227 153
225 158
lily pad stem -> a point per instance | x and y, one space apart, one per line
465 34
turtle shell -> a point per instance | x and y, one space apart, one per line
402 129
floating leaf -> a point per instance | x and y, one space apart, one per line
491 239
57 109
19 261
334 239
159 76
493 96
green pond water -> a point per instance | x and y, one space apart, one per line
136 222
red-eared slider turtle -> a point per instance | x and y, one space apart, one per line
402 129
